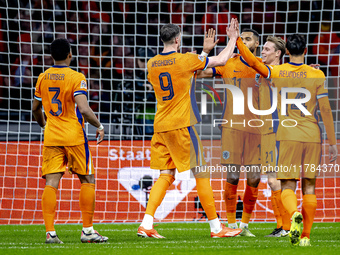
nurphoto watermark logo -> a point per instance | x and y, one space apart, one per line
239 103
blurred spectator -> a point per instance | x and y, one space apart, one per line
99 100
4 83
111 40
47 62
95 48
217 16
60 30
51 10
144 95
22 67
84 60
327 48
128 87
182 13
22 73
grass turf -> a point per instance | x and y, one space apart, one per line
181 238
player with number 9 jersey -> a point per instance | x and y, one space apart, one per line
172 77
175 143
56 89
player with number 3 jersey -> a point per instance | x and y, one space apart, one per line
62 92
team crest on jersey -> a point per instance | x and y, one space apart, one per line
257 78
225 154
201 58
83 84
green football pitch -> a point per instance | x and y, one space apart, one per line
181 238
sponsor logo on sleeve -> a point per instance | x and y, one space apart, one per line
83 84
202 58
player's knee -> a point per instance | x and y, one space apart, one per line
53 179
308 191
87 179
308 186
253 181
288 184
274 184
233 179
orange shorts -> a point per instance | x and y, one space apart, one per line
298 159
78 158
240 147
181 149
268 152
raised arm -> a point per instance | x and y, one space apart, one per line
327 118
252 60
222 58
89 116
208 44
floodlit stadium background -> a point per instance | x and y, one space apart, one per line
111 40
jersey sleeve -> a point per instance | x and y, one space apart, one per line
218 70
324 106
80 86
327 118
252 61
196 62
37 93
321 86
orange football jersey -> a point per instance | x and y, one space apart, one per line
56 89
299 76
172 77
238 73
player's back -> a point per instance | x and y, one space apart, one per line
299 76
56 88
172 77
238 73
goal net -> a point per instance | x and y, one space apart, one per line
111 42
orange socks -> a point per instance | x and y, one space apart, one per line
249 201
289 201
49 204
276 209
206 197
87 199
284 215
230 196
283 212
158 192
308 212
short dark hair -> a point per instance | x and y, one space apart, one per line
60 48
169 32
279 44
255 33
296 44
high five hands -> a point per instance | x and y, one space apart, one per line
233 31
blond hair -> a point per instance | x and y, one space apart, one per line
279 44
